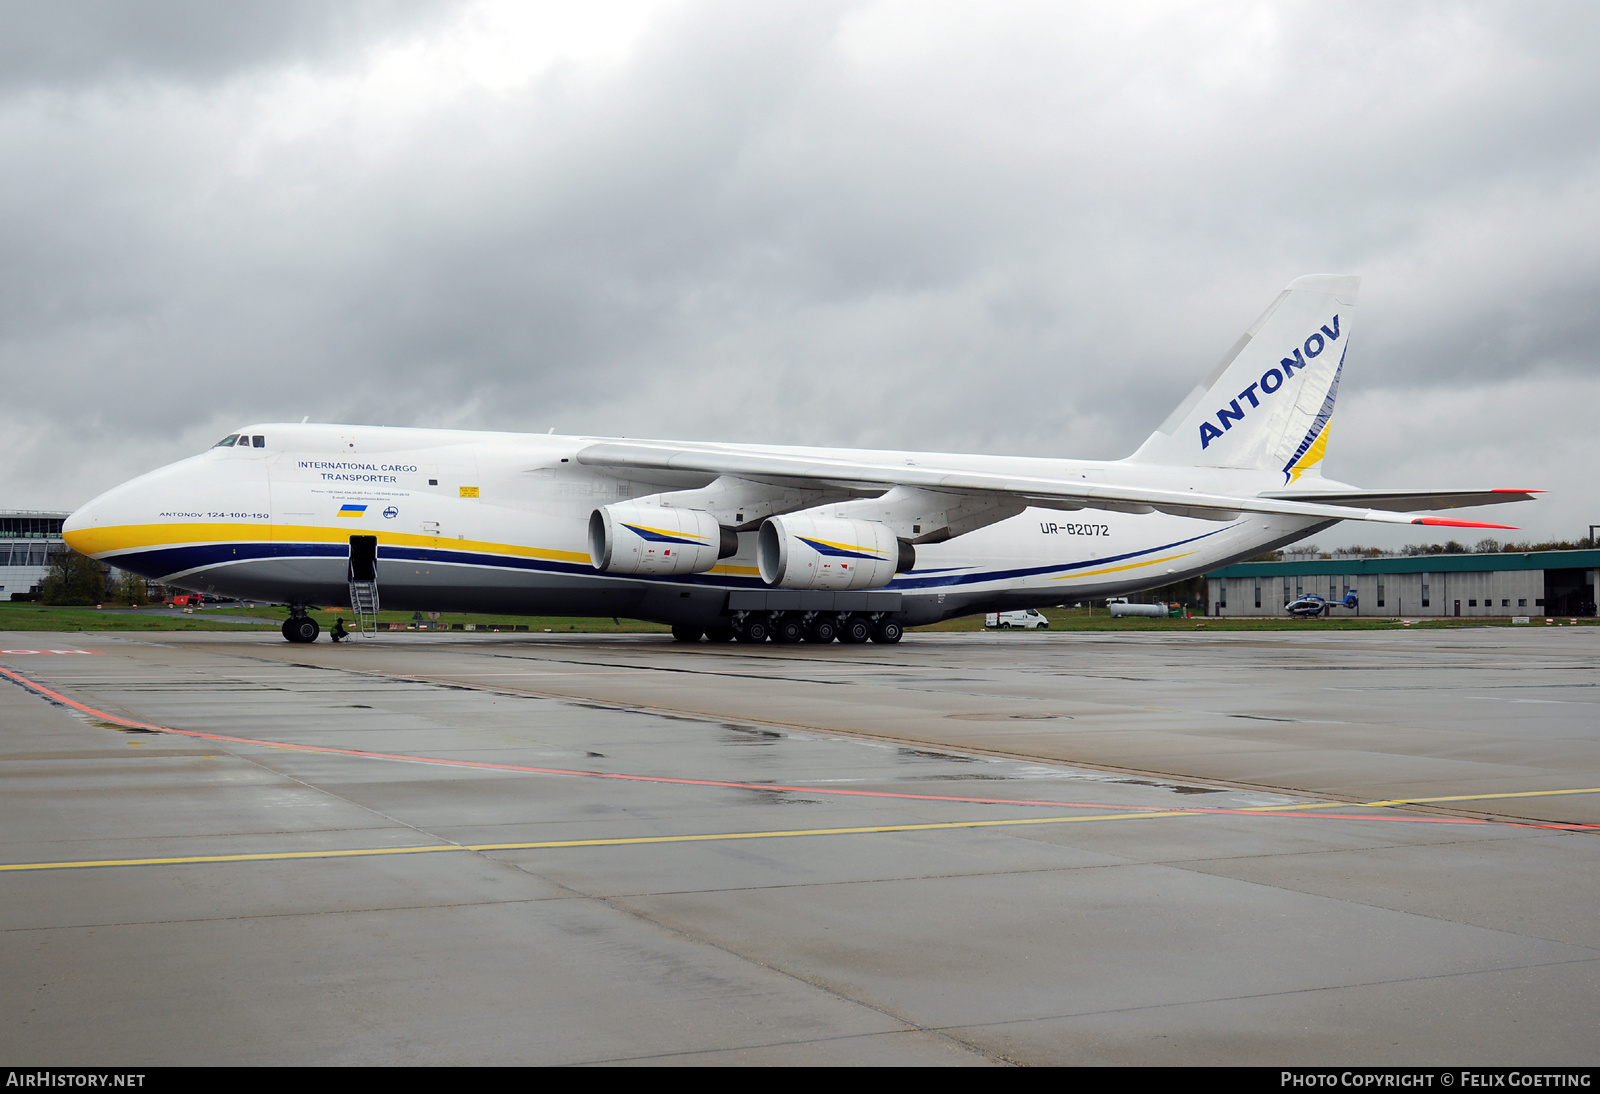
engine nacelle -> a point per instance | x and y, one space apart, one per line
802 552
653 539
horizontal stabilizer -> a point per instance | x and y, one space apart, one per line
1441 522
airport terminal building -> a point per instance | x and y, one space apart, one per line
28 539
1533 583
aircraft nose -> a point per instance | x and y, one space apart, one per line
133 525
76 528
93 529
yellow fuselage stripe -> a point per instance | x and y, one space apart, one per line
99 542
129 537
1119 569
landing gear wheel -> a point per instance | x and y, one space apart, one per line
720 634
888 632
787 630
301 628
755 630
682 632
855 630
822 630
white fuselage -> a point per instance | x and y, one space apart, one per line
498 522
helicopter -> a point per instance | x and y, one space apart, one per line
1312 605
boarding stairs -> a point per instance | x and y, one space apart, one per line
364 603
363 577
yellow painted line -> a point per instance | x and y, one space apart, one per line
624 841
1415 801
1484 797
268 856
931 827
703 837
1118 569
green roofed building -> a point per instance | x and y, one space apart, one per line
1532 583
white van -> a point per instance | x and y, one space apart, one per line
1027 620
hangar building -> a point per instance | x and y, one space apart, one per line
1532 583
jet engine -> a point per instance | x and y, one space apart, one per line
804 552
653 539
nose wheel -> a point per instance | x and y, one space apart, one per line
301 628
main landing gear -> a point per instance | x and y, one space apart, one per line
787 628
300 627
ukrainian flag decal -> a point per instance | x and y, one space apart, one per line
352 510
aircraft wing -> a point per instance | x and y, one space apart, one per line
792 470
1407 500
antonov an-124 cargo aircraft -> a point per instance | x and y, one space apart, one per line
750 542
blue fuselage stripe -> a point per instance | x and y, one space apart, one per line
164 561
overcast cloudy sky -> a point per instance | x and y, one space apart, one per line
1017 228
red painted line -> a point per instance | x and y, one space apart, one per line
58 697
479 765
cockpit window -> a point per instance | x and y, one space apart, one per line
258 440
228 441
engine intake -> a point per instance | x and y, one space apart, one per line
801 552
652 539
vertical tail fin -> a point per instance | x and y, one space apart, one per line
1267 403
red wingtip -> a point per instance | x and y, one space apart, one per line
1502 490
1441 522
